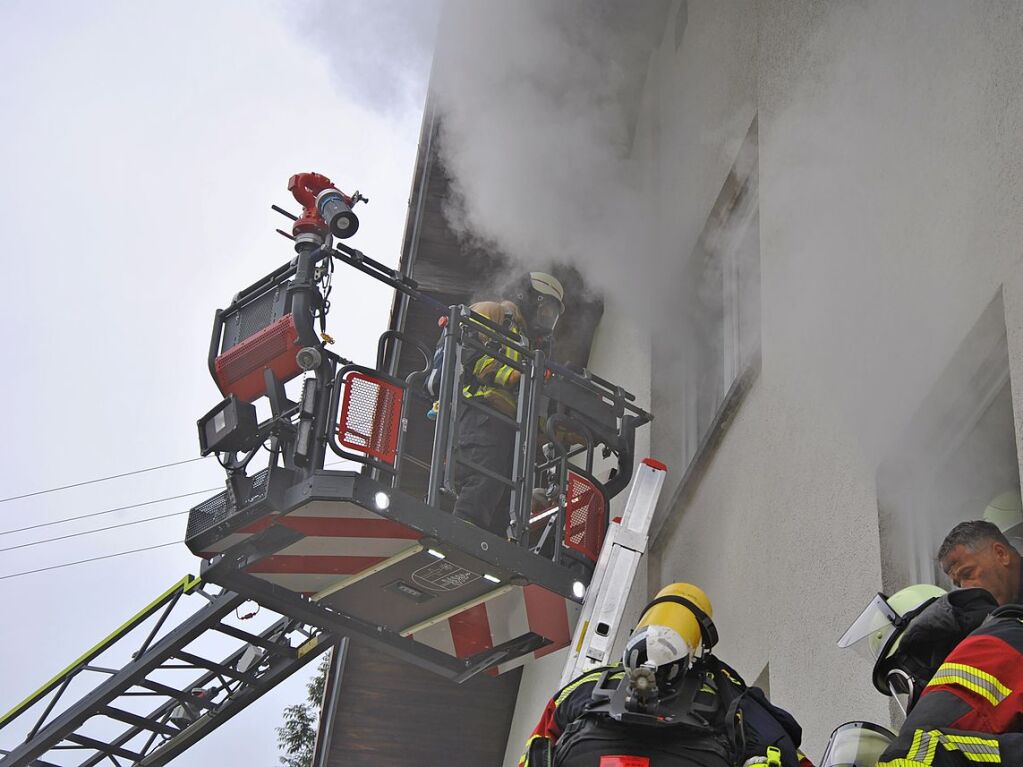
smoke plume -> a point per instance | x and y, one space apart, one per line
537 104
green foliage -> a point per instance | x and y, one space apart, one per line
296 738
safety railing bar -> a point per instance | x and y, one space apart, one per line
491 411
485 471
469 341
471 321
451 402
572 453
517 531
531 422
385 274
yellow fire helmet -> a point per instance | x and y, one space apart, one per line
671 630
882 624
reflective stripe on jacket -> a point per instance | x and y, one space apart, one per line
972 709
493 380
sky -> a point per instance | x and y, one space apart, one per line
142 147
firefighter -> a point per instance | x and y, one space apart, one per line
484 439
954 663
977 553
670 702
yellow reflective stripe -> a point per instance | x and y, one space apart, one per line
973 748
991 679
570 687
971 740
923 747
734 681
593 676
524 759
973 679
495 396
483 366
504 373
925 743
932 738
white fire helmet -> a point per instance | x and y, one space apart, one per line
671 630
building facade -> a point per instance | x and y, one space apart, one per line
843 381
833 341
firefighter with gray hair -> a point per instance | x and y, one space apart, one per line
954 664
976 554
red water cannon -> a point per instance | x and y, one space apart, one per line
324 207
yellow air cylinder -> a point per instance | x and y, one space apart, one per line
667 633
675 616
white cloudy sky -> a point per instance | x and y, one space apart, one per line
142 144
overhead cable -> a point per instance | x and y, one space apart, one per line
107 511
96 530
90 559
99 479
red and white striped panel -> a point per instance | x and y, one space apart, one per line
506 617
341 539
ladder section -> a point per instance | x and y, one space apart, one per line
624 547
156 686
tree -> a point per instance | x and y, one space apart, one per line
296 738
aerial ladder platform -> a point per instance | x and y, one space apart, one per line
357 552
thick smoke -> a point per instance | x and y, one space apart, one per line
537 105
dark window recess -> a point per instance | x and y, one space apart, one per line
709 354
957 455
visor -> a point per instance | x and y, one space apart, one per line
856 744
877 623
548 310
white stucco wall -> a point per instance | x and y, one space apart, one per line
890 187
891 180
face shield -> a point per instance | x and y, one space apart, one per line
545 315
877 624
856 744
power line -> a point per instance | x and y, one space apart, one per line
97 530
91 559
107 511
99 479
123 508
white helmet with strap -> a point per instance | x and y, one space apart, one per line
544 302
